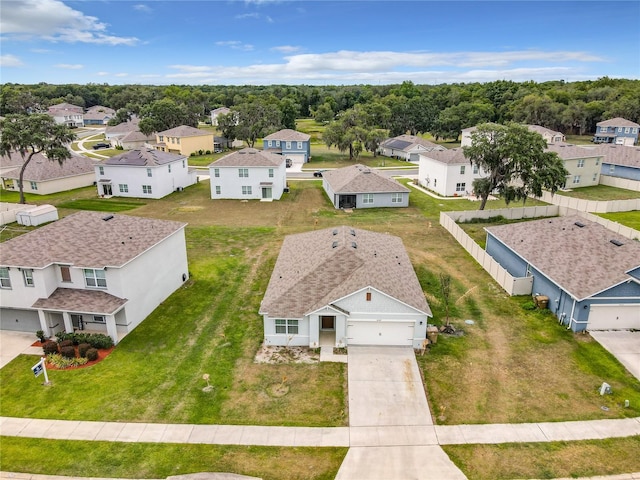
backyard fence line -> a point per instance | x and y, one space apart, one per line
596 206
617 182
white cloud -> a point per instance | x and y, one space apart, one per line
122 74
10 61
286 49
235 45
102 74
254 15
68 66
44 51
143 8
56 22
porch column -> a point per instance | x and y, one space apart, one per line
43 322
68 325
112 331
314 331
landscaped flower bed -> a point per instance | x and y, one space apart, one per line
76 350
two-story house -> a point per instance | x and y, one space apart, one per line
583 164
184 140
67 114
616 130
143 172
550 136
448 173
90 271
248 174
292 145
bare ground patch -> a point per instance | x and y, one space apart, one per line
275 354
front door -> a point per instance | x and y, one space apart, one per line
106 189
266 192
327 322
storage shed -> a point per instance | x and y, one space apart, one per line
37 215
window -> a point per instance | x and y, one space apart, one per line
619 129
216 172
368 296
149 173
27 274
246 189
288 327
299 145
184 164
65 273
461 187
243 172
627 130
271 173
581 163
597 161
5 281
123 187
99 319
612 168
435 182
95 278
270 143
177 140
576 179
146 189
169 167
277 143
367 198
595 177
288 145
475 169
160 138
462 169
603 129
635 130
34 185
396 198
101 170
218 190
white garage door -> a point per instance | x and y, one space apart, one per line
379 333
614 317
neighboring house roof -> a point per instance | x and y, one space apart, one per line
619 154
81 300
184 131
288 135
137 136
543 130
143 157
407 142
220 111
453 156
567 151
125 127
41 169
582 261
249 157
60 112
317 268
97 116
101 109
66 106
617 122
87 239
361 179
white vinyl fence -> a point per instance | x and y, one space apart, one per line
8 211
591 205
625 183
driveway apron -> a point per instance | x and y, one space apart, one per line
624 345
391 429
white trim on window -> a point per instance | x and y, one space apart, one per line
367 198
27 274
95 278
5 279
286 326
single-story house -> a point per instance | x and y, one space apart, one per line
358 186
43 176
291 144
120 130
447 172
353 286
403 146
619 131
590 274
583 164
248 174
216 112
549 135
133 139
184 140
98 115
620 161
95 271
143 173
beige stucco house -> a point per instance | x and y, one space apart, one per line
184 140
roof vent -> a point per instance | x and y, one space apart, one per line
579 224
242 152
353 232
106 218
335 232
617 243
354 244
334 244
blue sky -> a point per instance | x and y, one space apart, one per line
265 42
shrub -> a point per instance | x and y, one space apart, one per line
529 306
65 343
100 340
41 336
92 354
68 352
193 154
79 338
49 347
82 349
62 362
208 152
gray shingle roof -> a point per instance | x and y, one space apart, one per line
41 169
84 239
582 261
311 273
143 157
249 157
567 151
81 300
361 179
288 135
453 156
617 122
619 155
185 131
410 141
124 127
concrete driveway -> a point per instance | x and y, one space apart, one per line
13 344
623 345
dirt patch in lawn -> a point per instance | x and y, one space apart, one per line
273 354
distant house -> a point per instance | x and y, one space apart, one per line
143 173
619 161
248 174
590 275
616 130
43 176
98 115
448 172
90 271
290 144
403 146
344 286
215 113
583 164
67 114
358 186
132 140
550 136
184 140
117 131
67 106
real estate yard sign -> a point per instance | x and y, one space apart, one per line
40 368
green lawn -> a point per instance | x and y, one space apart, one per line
579 139
600 192
630 219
